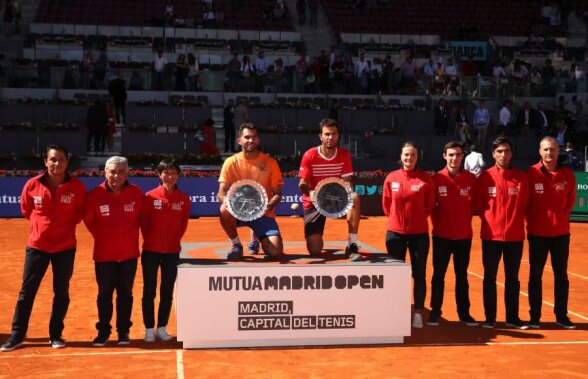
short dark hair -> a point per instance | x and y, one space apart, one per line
452 145
168 162
328 123
247 125
57 147
501 141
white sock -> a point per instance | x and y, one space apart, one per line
236 241
352 238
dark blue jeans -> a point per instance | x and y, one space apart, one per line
151 262
443 248
418 247
539 248
492 252
111 276
35 267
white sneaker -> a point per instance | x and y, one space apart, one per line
149 335
417 321
161 333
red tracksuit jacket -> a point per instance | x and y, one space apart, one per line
408 200
503 196
552 199
54 215
164 219
455 195
113 220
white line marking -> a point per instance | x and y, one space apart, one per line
506 343
527 295
569 272
82 354
180 363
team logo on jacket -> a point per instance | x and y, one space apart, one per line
105 210
560 186
67 199
38 201
157 204
416 187
539 188
177 206
442 191
513 191
130 207
395 186
464 191
492 191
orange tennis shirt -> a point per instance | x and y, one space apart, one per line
263 169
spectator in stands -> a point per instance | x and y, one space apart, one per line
312 76
168 14
241 115
545 120
388 74
136 81
468 73
300 69
233 73
97 123
549 77
261 67
111 127
362 73
563 134
8 17
207 138
528 119
193 73
323 79
247 72
69 81
376 76
451 78
441 118
313 9
409 74
118 90
499 70
278 75
462 128
229 126
481 122
209 18
86 68
100 68
17 16
572 158
428 73
338 68
580 78
181 72
301 10
504 117
159 63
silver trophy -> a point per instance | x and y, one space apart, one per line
332 197
246 200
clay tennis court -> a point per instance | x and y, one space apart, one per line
450 349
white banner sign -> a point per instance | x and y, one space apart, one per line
283 305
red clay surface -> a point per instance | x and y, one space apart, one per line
447 350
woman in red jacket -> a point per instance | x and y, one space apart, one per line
112 216
165 208
408 200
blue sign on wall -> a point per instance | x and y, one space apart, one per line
463 50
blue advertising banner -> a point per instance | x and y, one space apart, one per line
202 192
463 50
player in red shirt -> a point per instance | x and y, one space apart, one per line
454 192
112 216
503 196
165 208
53 202
553 195
407 201
328 160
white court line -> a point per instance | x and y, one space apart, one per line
526 294
569 272
180 363
179 352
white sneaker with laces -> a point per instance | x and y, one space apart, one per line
149 335
161 333
417 321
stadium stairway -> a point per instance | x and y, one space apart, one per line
315 39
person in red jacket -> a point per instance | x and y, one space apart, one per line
408 200
553 194
53 202
165 208
454 190
503 196
112 216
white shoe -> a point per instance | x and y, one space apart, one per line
161 333
417 321
149 335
